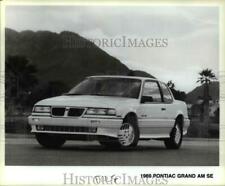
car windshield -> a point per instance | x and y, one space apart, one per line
108 86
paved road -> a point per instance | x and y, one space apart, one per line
24 150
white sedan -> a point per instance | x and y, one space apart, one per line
118 111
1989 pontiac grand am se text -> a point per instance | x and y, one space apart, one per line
118 111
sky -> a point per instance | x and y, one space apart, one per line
191 34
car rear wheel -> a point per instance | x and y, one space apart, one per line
176 136
50 140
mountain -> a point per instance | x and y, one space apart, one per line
65 57
193 96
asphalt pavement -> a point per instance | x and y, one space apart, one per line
24 150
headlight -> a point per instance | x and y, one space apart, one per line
101 111
45 109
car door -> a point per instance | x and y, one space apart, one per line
169 106
152 111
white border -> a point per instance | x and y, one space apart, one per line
43 175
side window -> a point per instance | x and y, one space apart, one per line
166 94
151 91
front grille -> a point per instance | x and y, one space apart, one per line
76 112
58 111
66 128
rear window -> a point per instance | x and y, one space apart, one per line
151 89
167 97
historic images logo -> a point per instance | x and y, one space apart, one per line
120 179
70 40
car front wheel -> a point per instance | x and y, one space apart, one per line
128 135
50 140
176 136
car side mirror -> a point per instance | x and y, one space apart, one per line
145 99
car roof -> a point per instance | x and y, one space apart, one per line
126 77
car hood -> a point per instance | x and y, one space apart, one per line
88 101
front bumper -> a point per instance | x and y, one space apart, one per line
105 126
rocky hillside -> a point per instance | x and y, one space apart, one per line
65 57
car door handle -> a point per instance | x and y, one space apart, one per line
163 109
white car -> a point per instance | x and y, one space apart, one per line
118 111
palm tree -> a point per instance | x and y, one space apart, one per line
205 77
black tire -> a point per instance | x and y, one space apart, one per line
130 121
50 140
173 142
